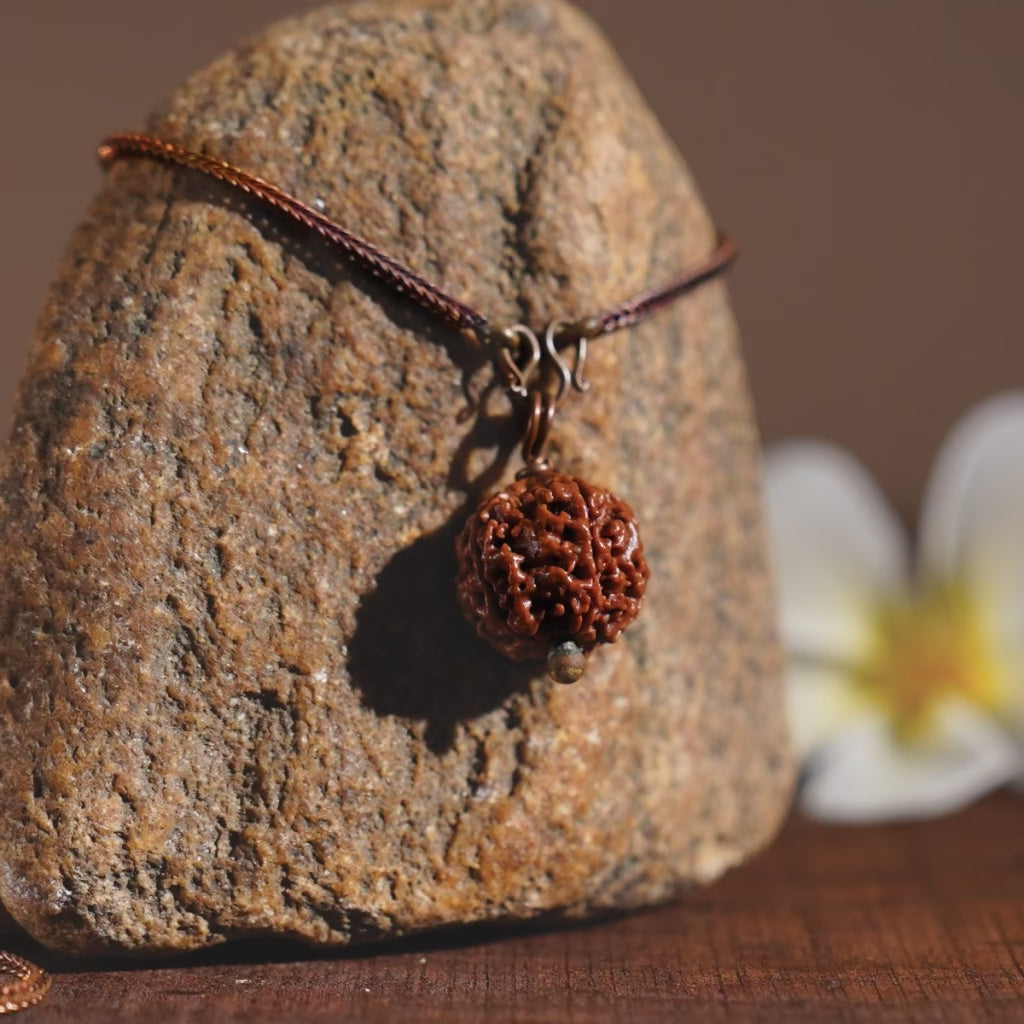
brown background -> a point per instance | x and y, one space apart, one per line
868 156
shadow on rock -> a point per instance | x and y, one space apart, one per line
414 655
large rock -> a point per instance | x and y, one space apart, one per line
237 693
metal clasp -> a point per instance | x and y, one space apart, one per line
525 363
538 377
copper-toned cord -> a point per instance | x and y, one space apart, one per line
643 305
399 277
367 256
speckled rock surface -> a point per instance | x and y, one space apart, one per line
237 695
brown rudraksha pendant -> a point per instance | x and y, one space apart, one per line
549 568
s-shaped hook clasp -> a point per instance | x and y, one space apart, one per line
538 377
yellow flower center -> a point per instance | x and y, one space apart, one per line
928 649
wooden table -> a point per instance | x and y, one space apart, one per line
920 922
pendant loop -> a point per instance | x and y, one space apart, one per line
536 432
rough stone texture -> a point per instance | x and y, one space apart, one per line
237 694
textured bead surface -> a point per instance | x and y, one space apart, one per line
549 559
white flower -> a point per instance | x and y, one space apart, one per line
905 691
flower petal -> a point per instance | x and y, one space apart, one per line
820 701
972 521
837 548
866 775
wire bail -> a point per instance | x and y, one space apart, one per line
539 377
540 415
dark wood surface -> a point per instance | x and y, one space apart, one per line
921 922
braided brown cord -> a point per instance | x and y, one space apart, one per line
22 984
387 269
367 256
643 305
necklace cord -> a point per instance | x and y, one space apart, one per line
369 257
400 278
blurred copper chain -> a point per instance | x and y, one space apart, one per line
22 984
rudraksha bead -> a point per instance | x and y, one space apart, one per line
551 560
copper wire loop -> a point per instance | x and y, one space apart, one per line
535 434
29 984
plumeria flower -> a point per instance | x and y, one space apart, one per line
905 677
